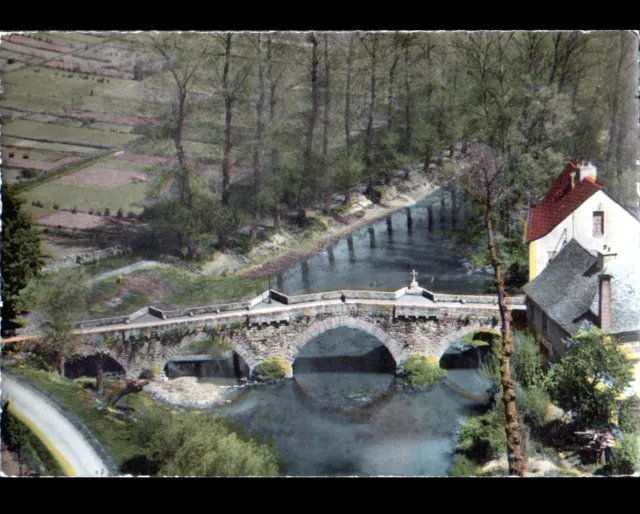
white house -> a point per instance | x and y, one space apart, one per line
576 208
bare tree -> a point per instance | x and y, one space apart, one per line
182 61
485 180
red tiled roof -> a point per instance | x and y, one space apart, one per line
559 202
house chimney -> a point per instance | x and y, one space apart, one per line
605 302
605 256
585 170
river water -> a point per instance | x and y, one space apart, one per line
381 255
344 412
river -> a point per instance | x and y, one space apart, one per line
381 255
344 412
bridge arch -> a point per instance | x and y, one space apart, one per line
320 327
458 333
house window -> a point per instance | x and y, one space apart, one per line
598 223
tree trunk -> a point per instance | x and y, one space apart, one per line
392 76
515 442
131 387
347 98
367 148
326 126
183 181
427 163
61 363
228 103
257 145
407 101
313 117
347 196
276 217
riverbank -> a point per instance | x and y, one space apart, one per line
285 249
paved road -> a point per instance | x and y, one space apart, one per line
62 438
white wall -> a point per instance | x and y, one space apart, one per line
621 230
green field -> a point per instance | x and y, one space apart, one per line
28 146
85 198
137 166
64 134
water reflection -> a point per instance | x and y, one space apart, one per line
364 259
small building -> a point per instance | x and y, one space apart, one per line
578 288
577 208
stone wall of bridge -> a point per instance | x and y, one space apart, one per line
282 333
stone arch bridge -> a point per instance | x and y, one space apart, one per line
405 326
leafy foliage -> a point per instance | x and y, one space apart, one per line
527 361
199 445
591 377
482 438
420 371
21 255
62 299
273 368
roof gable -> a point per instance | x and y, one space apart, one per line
560 201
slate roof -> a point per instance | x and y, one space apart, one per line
567 289
560 201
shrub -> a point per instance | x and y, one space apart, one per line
624 456
74 210
421 371
10 60
25 155
27 173
483 438
107 212
628 418
528 361
91 93
535 401
36 361
37 70
463 467
131 214
90 211
120 214
55 206
11 154
377 194
273 368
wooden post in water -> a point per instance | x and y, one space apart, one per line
430 217
372 238
409 220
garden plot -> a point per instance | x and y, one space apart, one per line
50 132
17 162
110 118
103 177
10 114
29 50
22 144
10 64
76 64
35 43
7 54
71 39
67 219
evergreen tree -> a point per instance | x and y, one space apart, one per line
21 255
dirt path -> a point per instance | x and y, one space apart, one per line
127 269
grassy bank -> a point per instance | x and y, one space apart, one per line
118 436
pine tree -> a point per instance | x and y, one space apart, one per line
21 255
